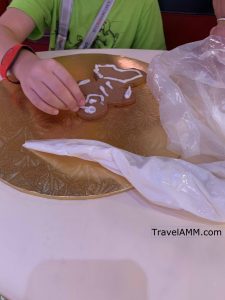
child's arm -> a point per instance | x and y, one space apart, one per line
219 8
44 81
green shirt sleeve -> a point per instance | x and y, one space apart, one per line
149 34
39 11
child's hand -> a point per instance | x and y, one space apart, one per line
47 84
218 30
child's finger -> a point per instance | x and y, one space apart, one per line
69 82
61 92
218 30
48 96
38 102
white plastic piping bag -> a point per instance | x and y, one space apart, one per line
173 183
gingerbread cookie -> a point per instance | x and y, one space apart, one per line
126 77
117 95
113 87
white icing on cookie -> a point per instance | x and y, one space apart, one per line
128 93
83 82
108 83
89 109
91 96
102 89
92 101
99 74
96 71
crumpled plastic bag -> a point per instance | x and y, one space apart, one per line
189 83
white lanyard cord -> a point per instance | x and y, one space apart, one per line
66 10
64 22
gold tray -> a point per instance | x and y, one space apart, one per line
135 128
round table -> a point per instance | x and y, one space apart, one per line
108 248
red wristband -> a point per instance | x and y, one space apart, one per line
9 58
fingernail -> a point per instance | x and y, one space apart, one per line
82 101
55 112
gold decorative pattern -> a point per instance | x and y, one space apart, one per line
135 128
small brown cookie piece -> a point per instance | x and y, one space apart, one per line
94 109
88 86
95 106
125 77
116 95
113 87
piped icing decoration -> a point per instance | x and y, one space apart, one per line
92 101
83 82
102 89
89 109
128 93
100 75
108 83
91 96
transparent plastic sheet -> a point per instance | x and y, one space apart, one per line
189 83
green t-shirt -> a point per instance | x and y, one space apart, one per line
130 23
